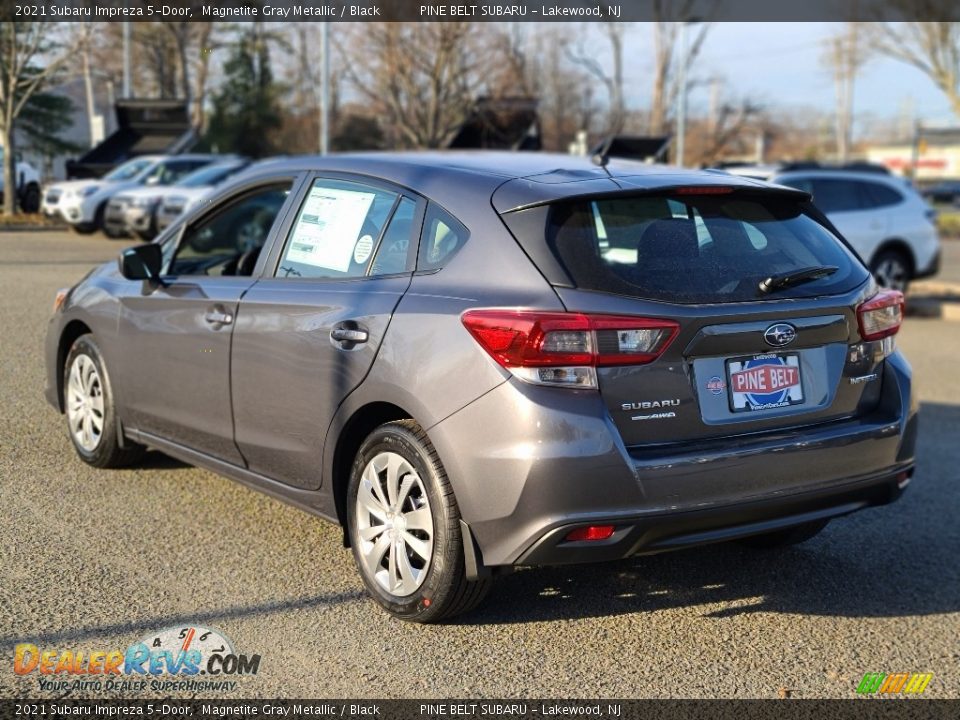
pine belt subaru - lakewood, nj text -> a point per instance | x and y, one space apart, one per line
478 361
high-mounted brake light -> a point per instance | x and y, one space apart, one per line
704 190
881 315
556 348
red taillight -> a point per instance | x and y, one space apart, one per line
881 315
566 347
590 532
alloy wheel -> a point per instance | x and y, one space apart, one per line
891 273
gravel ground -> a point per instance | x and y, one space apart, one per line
97 559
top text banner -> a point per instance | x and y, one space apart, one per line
417 11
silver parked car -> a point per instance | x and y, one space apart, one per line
191 190
131 211
478 361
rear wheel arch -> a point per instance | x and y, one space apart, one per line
896 245
73 330
355 430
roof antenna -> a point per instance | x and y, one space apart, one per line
602 157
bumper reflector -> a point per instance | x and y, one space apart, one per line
590 532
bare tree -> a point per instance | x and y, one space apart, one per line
565 89
726 131
30 59
931 47
667 29
612 80
192 43
421 78
845 56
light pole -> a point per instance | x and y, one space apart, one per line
682 94
126 59
325 89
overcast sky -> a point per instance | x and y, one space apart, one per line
780 64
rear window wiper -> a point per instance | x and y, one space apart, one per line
785 280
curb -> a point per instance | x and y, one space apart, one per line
934 299
934 309
32 228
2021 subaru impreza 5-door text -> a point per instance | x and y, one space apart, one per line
478 361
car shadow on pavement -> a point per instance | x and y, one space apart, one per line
156 460
147 624
897 560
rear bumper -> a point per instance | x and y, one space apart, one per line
553 460
661 532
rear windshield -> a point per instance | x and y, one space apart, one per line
695 248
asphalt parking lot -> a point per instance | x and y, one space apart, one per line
97 559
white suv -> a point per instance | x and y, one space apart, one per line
885 220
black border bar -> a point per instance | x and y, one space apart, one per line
479 10
872 708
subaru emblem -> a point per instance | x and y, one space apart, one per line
780 334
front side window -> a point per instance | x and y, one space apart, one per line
229 241
337 231
167 173
128 170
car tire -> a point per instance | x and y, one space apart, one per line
414 566
89 409
784 538
151 232
30 203
91 227
892 269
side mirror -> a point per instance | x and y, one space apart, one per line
142 262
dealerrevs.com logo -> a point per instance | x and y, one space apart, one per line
905 683
192 658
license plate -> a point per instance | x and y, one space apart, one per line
764 382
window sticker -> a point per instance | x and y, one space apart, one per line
328 226
363 249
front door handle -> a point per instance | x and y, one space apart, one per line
217 316
349 335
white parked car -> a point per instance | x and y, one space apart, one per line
887 222
83 203
28 185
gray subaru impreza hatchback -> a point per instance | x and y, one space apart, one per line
478 361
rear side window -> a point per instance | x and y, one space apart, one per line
695 248
443 235
837 195
878 195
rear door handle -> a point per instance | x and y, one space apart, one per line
218 317
349 335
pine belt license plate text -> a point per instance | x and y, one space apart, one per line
763 382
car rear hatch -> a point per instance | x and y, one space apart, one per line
748 308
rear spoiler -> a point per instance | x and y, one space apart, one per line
523 193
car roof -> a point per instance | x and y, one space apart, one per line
513 179
840 175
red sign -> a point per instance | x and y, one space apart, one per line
765 379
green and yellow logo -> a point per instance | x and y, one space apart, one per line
907 683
